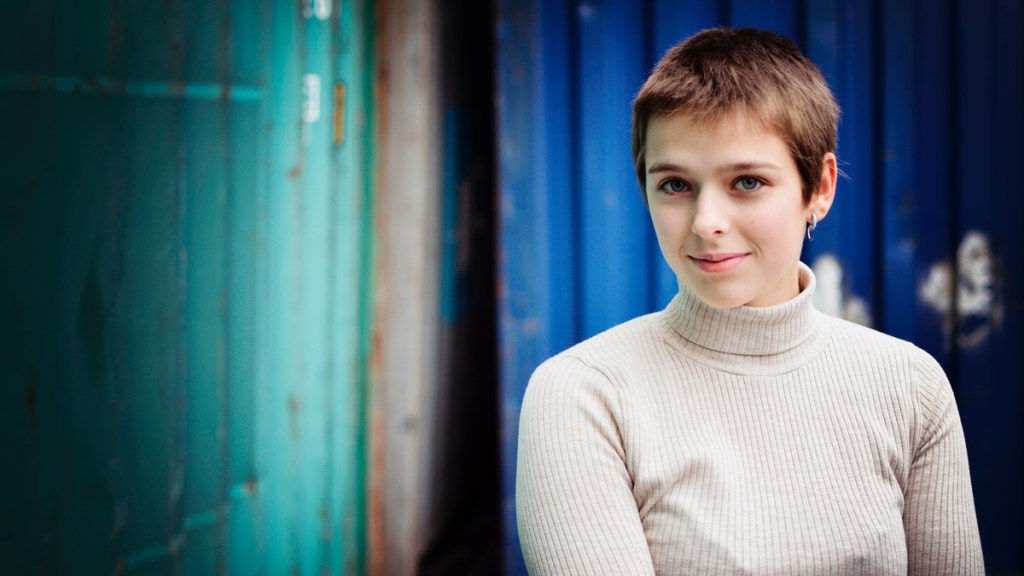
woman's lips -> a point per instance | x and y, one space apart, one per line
717 263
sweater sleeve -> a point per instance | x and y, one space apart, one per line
574 497
939 517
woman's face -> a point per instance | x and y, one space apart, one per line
727 207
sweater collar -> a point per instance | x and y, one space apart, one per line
748 340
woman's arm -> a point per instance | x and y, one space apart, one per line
938 514
574 496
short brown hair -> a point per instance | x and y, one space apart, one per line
720 70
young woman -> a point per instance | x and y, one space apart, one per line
741 431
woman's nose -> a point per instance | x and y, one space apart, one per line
710 214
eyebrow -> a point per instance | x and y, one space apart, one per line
737 167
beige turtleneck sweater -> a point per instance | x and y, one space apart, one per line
744 441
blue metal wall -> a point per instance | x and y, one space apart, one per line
923 241
184 240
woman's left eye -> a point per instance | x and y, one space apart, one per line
748 183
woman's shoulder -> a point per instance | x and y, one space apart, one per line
884 351
619 344
860 337
583 384
608 354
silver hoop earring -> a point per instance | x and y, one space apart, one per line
812 225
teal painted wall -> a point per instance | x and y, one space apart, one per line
184 313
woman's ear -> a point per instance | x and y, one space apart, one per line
825 193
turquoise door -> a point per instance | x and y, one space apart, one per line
185 245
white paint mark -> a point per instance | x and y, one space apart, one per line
322 9
974 297
310 106
856 310
319 9
937 288
310 98
830 296
976 306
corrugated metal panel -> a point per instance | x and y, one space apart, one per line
922 241
186 247
988 292
610 240
318 222
536 278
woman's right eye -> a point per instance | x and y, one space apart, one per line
673 186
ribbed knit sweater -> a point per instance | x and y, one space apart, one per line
771 440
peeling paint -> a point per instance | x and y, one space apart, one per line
975 295
310 106
831 297
310 98
319 9
973 305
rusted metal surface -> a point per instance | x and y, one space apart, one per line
338 117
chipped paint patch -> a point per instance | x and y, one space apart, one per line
319 9
973 305
830 296
310 106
